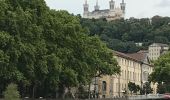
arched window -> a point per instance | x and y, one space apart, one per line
104 86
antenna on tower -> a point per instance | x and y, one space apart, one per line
85 1
123 1
96 2
96 7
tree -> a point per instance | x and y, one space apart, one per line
45 51
11 92
146 88
161 71
137 30
161 88
133 88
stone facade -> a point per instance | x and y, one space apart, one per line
156 50
110 14
134 68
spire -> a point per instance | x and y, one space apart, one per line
123 1
86 7
123 6
85 1
96 7
96 2
112 5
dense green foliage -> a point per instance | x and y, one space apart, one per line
121 35
45 51
161 73
146 88
11 92
133 88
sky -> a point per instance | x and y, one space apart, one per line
134 8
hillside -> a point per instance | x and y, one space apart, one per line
121 35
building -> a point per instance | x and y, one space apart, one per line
134 68
110 14
157 49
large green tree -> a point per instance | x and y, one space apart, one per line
45 51
161 72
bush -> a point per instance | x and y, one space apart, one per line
11 92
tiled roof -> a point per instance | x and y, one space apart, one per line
161 44
120 54
138 57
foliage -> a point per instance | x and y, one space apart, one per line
11 92
133 88
146 88
45 51
118 33
161 88
161 71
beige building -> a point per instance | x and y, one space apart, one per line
110 14
157 49
134 68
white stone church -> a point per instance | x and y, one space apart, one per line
110 14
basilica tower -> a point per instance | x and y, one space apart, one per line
112 5
123 6
86 8
96 7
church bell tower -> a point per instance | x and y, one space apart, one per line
86 8
123 6
112 5
96 7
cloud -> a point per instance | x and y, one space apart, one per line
164 3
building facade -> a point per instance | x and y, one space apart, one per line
134 68
110 14
156 50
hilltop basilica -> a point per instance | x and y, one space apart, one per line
110 14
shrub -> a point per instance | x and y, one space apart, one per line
11 92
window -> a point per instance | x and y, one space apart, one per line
134 76
111 86
125 74
128 75
117 87
122 87
104 86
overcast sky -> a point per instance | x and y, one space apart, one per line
134 8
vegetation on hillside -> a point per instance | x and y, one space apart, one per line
121 35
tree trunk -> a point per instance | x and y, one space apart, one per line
64 92
89 91
33 91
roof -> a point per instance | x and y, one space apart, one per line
120 54
101 11
137 57
161 44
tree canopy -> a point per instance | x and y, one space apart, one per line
45 51
161 72
122 34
